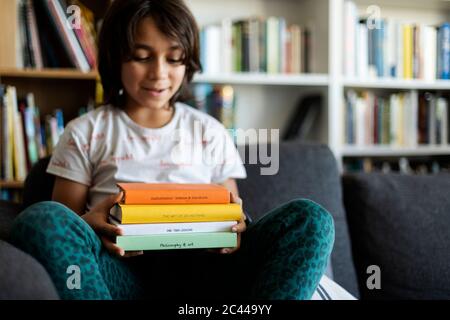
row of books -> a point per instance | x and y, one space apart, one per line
401 165
256 44
53 35
25 135
218 101
11 195
175 216
390 48
402 119
24 139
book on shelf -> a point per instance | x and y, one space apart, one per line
172 228
161 213
406 119
255 44
394 49
46 37
216 100
173 193
199 240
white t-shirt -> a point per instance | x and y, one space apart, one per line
105 146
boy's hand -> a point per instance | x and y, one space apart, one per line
97 218
238 228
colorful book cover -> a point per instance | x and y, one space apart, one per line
174 193
178 241
161 213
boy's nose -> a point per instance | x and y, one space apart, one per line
158 69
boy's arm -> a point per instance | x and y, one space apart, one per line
71 194
231 185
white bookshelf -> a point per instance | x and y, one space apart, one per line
391 151
301 80
400 84
268 101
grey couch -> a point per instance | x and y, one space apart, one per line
395 222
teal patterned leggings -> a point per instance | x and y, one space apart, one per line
282 256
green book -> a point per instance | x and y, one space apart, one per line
178 241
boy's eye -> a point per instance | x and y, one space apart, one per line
175 61
136 58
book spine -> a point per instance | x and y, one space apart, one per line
177 197
173 228
178 241
407 52
69 39
129 214
444 51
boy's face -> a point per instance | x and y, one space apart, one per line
155 72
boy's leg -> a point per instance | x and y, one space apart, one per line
284 255
64 243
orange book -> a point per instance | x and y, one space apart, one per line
173 193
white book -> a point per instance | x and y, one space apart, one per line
360 109
226 45
390 38
68 36
273 49
430 54
213 39
171 228
363 51
18 141
399 50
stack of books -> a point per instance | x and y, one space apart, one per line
175 216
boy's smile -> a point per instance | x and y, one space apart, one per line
152 76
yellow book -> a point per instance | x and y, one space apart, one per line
134 213
408 51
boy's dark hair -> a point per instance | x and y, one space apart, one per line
116 41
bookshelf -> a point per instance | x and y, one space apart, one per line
264 101
415 12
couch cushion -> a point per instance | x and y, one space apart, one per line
8 212
401 224
305 171
22 277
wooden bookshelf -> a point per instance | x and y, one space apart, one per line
11 184
48 74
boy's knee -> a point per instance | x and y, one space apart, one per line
318 221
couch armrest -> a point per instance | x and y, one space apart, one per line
22 277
